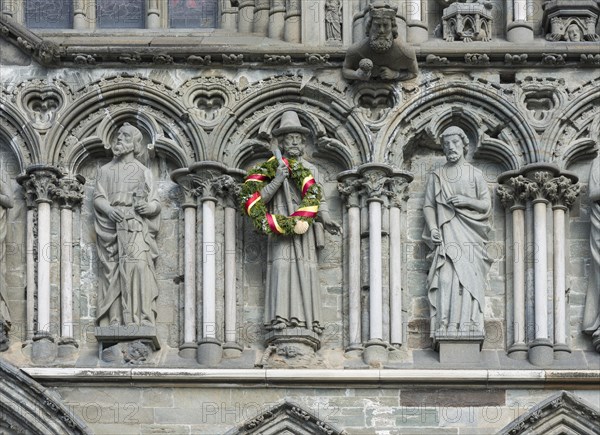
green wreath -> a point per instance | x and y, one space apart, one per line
253 205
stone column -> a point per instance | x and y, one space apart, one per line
563 192
398 186
358 26
229 16
152 14
349 187
375 176
31 285
293 22
261 17
513 191
228 191
416 20
189 347
541 349
246 16
205 176
80 19
69 194
277 19
41 180
518 28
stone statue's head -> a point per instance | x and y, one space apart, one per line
292 134
454 140
129 139
381 27
573 33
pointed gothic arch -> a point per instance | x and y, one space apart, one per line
27 407
562 413
286 418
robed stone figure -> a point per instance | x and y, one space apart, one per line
591 315
6 202
457 208
127 221
293 293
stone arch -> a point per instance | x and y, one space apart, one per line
500 131
126 94
562 413
321 107
27 407
20 137
285 418
576 133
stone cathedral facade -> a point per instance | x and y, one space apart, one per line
300 217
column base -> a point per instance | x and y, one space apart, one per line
417 32
210 352
518 351
354 350
562 351
376 353
519 32
541 353
44 349
232 350
67 347
188 350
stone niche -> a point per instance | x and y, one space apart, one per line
467 22
571 20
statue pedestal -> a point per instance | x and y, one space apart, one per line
129 339
292 347
459 349
44 349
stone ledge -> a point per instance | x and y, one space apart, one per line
331 378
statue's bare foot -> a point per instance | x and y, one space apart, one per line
278 325
318 329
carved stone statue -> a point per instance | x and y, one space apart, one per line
127 221
591 315
379 56
457 207
293 295
6 202
333 20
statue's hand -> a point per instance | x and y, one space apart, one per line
332 227
363 75
143 209
115 215
282 172
436 236
459 201
388 74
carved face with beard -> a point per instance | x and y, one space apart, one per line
124 144
381 36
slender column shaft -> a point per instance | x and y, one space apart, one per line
540 270
354 311
395 277
520 10
230 277
31 284
518 220
375 271
560 313
228 16
246 16
189 327
261 17
293 21
66 272
43 275
152 15
277 19
209 272
413 10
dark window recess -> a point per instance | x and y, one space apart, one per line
49 14
193 14
120 14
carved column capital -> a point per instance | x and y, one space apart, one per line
374 180
540 175
515 191
204 176
227 189
184 179
69 191
349 187
563 191
398 188
39 182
